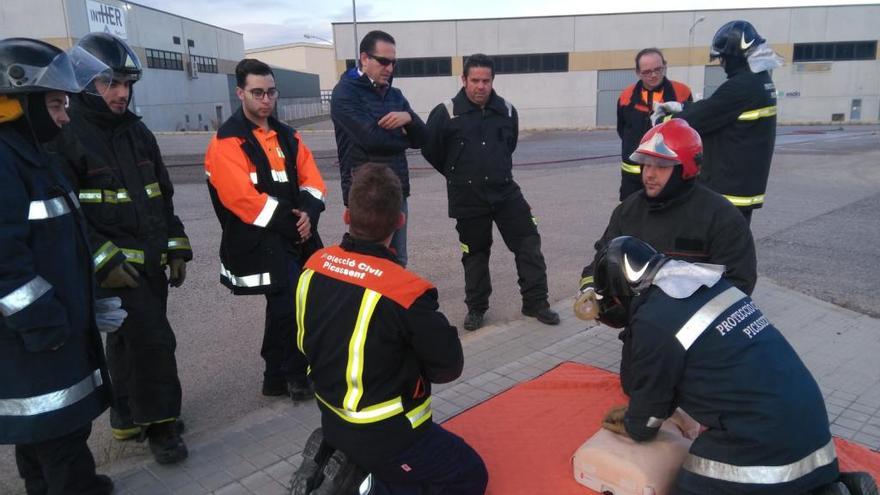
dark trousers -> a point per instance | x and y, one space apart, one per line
60 466
747 213
438 463
140 356
513 216
283 359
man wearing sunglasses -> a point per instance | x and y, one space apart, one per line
634 109
374 122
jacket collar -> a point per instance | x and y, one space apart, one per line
102 118
20 145
239 126
376 249
356 77
461 104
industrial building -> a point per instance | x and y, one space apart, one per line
314 58
188 65
568 71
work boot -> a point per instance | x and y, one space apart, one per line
274 387
859 483
136 431
310 472
473 320
341 476
165 442
545 315
301 390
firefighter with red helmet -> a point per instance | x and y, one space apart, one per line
679 217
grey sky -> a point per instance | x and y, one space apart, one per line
275 22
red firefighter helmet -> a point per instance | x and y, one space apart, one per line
672 142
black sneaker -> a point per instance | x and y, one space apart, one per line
545 315
341 476
165 443
301 390
309 475
859 483
274 387
473 320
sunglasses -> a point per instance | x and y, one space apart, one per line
384 62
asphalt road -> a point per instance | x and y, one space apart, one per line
818 234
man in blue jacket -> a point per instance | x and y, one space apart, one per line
53 379
374 122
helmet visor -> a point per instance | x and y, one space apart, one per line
88 69
655 148
68 72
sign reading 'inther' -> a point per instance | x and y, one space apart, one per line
106 18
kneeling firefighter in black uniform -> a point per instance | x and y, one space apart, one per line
701 344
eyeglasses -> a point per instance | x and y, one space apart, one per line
259 94
653 72
384 62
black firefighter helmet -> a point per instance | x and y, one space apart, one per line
735 39
623 269
115 53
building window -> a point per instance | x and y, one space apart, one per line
423 67
837 51
417 66
161 59
190 43
529 63
204 64
175 40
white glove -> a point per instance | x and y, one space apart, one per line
109 314
663 109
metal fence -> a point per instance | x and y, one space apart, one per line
290 109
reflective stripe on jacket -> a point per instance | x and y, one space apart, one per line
254 193
375 341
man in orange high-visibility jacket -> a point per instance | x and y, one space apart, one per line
267 194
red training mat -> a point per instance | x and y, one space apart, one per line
528 434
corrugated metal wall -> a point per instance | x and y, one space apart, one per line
611 83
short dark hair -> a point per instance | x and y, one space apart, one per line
368 44
479 60
248 66
374 202
646 51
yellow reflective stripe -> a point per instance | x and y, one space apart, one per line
354 372
133 255
163 259
758 113
302 291
153 190
535 220
90 196
179 243
420 414
372 414
587 280
119 196
630 169
104 253
745 200
464 248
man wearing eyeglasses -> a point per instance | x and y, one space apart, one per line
268 194
634 109
374 122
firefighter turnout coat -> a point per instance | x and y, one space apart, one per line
738 127
117 170
375 342
716 356
52 374
256 179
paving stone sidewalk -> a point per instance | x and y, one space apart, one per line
258 454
